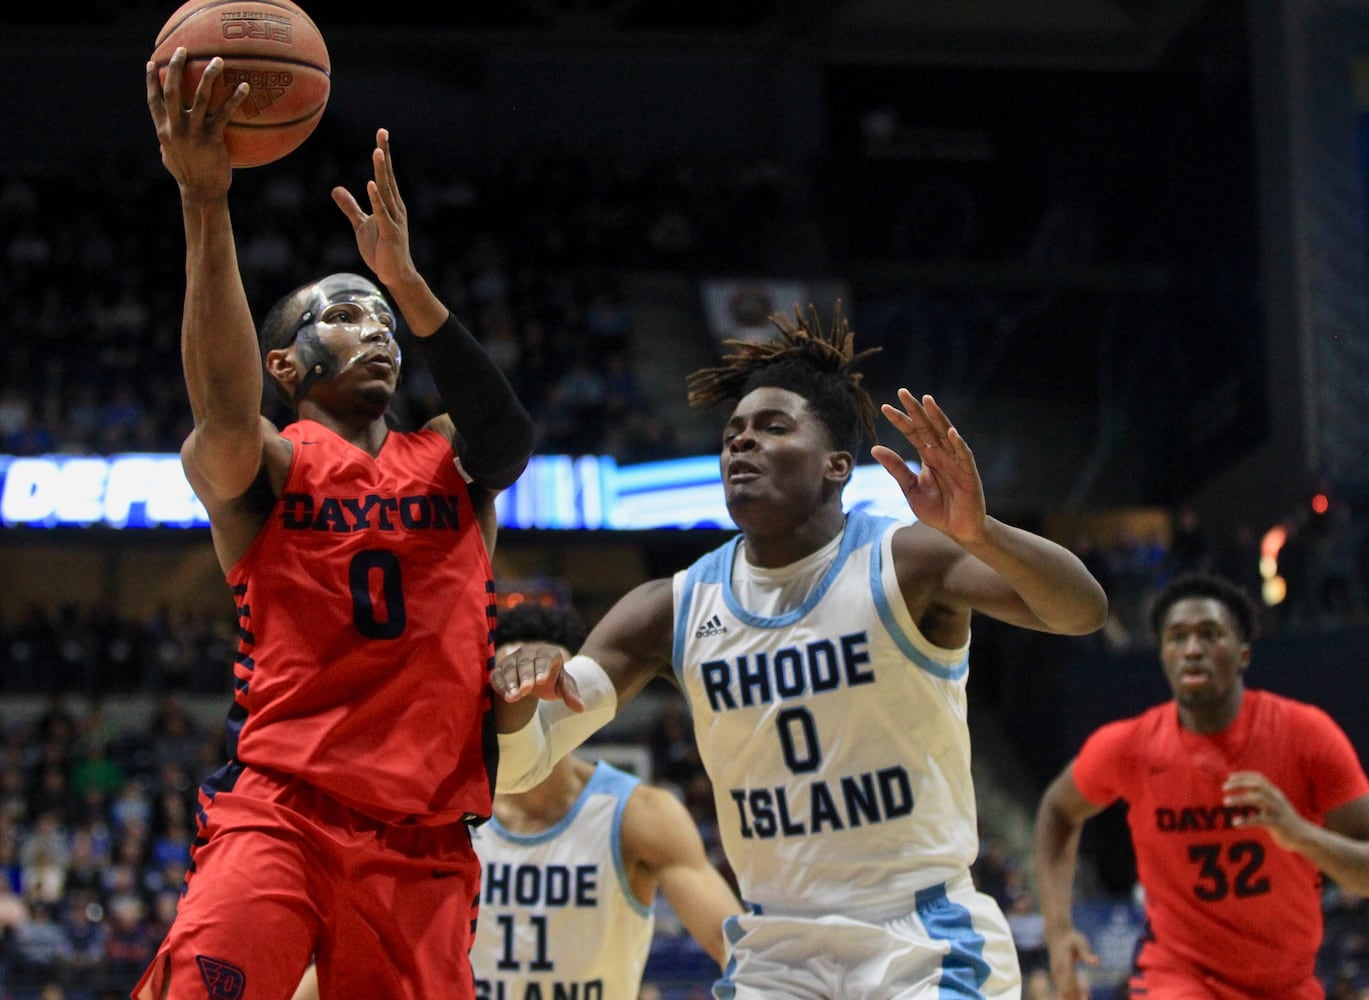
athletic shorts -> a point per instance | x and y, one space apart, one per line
283 874
1160 975
956 942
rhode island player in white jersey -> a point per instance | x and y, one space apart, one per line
824 656
571 867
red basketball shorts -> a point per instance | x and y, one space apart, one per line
283 874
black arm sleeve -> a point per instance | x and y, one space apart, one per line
494 427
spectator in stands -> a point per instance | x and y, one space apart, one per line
86 861
131 940
41 950
1334 587
83 922
990 870
1190 548
175 738
1238 556
1028 928
674 753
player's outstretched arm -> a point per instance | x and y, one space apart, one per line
1011 574
1059 820
490 428
551 706
382 236
219 352
661 837
1340 849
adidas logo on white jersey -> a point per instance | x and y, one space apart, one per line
713 627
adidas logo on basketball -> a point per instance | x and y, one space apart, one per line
713 627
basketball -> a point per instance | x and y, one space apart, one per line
275 48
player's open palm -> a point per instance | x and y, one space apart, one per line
194 150
382 234
947 493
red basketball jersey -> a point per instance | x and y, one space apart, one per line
1226 900
366 613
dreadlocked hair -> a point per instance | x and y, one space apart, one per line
808 361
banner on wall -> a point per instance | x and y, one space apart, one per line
740 308
132 491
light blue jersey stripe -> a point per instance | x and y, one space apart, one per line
947 672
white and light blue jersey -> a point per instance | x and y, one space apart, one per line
835 735
557 914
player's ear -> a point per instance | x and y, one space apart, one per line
280 365
839 466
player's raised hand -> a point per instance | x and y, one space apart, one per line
191 136
382 234
536 670
948 493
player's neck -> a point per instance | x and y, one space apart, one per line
546 804
1209 719
781 545
365 431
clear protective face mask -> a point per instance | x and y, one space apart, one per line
319 359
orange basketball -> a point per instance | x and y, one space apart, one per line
276 48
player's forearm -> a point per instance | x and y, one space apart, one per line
510 717
553 729
702 900
1055 855
497 433
1052 581
219 350
1344 860
422 310
709 932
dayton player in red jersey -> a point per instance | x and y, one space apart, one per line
361 738
1236 800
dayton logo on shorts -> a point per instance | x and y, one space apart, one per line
223 980
713 627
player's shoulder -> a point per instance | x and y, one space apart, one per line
1145 725
637 794
649 599
441 425
656 823
1290 710
917 548
436 433
611 779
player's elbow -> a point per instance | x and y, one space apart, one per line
1097 610
1085 614
503 452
